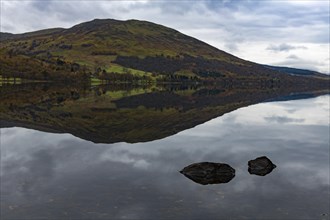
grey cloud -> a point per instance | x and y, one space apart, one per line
284 47
283 119
231 47
272 20
292 56
42 5
179 8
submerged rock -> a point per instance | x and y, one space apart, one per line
209 173
261 166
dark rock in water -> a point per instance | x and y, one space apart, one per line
261 166
209 173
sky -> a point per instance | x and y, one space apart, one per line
293 33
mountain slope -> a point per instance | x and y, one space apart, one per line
103 48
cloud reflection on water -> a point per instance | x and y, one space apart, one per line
43 174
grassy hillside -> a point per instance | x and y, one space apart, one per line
101 47
115 50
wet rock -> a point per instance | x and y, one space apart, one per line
261 166
209 173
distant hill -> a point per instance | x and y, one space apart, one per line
10 36
122 50
5 36
295 71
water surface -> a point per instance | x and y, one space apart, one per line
48 173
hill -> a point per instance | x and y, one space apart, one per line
295 71
115 50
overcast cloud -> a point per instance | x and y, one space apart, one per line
266 31
284 47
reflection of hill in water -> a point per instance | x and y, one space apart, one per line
107 114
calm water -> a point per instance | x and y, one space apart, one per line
48 174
